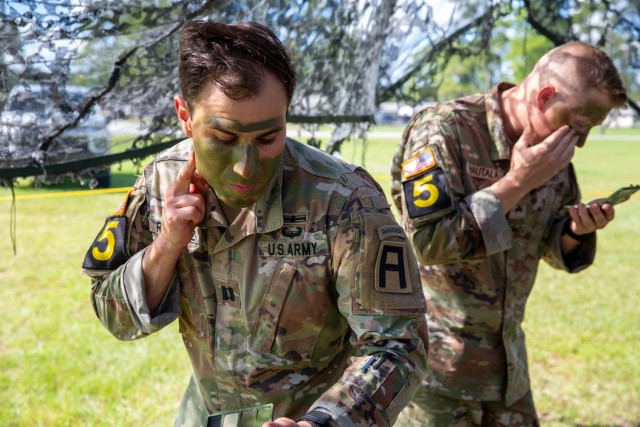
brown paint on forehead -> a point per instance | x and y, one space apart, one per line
231 125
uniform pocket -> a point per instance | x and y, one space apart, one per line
271 307
292 314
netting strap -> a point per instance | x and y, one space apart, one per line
77 165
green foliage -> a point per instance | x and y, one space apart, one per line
60 367
511 54
521 49
463 76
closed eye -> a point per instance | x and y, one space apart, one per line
266 140
226 140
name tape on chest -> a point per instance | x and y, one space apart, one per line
483 172
290 249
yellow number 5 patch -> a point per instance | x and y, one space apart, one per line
108 250
422 186
426 194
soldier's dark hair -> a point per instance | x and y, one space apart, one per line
233 57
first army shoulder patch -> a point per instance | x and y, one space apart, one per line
392 268
387 280
108 251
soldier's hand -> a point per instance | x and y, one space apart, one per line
184 207
588 218
286 422
533 165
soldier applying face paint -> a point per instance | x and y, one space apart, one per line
296 291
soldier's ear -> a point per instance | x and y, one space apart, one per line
544 97
182 111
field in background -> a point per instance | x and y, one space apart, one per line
59 366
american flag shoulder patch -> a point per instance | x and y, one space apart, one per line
123 206
418 164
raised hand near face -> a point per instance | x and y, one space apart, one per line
184 207
533 165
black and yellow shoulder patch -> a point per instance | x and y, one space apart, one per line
426 193
108 251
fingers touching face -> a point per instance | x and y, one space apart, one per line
580 111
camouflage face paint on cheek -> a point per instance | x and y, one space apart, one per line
236 192
211 159
235 172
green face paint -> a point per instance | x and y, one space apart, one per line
238 143
239 167
228 126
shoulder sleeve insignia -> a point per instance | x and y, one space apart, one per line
387 279
391 230
418 164
427 193
108 251
392 268
123 206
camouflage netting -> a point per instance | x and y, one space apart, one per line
350 55
125 53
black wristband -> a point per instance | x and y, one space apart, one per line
316 418
574 236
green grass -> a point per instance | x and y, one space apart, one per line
60 367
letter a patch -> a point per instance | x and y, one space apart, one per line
392 268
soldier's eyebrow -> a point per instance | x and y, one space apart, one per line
229 126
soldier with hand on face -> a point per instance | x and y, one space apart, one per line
482 183
297 293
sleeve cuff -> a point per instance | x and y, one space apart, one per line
487 211
339 416
581 257
133 289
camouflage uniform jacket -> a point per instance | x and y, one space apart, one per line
477 264
311 298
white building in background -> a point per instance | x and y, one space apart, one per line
622 118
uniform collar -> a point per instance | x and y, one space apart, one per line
268 207
501 149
